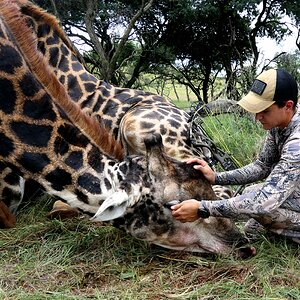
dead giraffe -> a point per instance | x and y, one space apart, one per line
45 136
129 114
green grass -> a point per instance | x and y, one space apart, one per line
180 97
75 259
236 135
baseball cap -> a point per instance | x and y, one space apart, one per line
271 86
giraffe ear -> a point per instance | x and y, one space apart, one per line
113 207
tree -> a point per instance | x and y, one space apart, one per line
292 9
290 62
96 24
191 42
209 38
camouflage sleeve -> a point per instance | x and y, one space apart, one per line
279 185
255 171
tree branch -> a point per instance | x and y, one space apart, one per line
125 36
54 9
89 18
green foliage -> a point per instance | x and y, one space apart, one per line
292 8
200 34
290 62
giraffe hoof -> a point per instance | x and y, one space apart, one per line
7 219
63 211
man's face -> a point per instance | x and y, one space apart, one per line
275 116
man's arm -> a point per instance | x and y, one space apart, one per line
281 182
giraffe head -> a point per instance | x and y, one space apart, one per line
143 213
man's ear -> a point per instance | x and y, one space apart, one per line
289 104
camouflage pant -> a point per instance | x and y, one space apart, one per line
281 221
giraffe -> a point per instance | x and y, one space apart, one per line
45 136
130 115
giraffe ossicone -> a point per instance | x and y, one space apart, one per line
50 133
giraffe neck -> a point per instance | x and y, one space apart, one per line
39 66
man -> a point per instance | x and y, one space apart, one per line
273 205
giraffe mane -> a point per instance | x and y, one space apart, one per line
39 13
26 42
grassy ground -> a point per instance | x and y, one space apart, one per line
180 97
74 259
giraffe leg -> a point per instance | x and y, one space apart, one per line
11 195
11 188
7 219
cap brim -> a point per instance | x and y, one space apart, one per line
254 103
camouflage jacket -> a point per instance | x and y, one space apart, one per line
279 196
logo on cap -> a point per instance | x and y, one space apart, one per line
258 87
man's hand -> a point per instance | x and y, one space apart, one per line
186 211
203 166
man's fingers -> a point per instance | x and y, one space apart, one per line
176 206
189 160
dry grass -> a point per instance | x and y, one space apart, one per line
74 259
